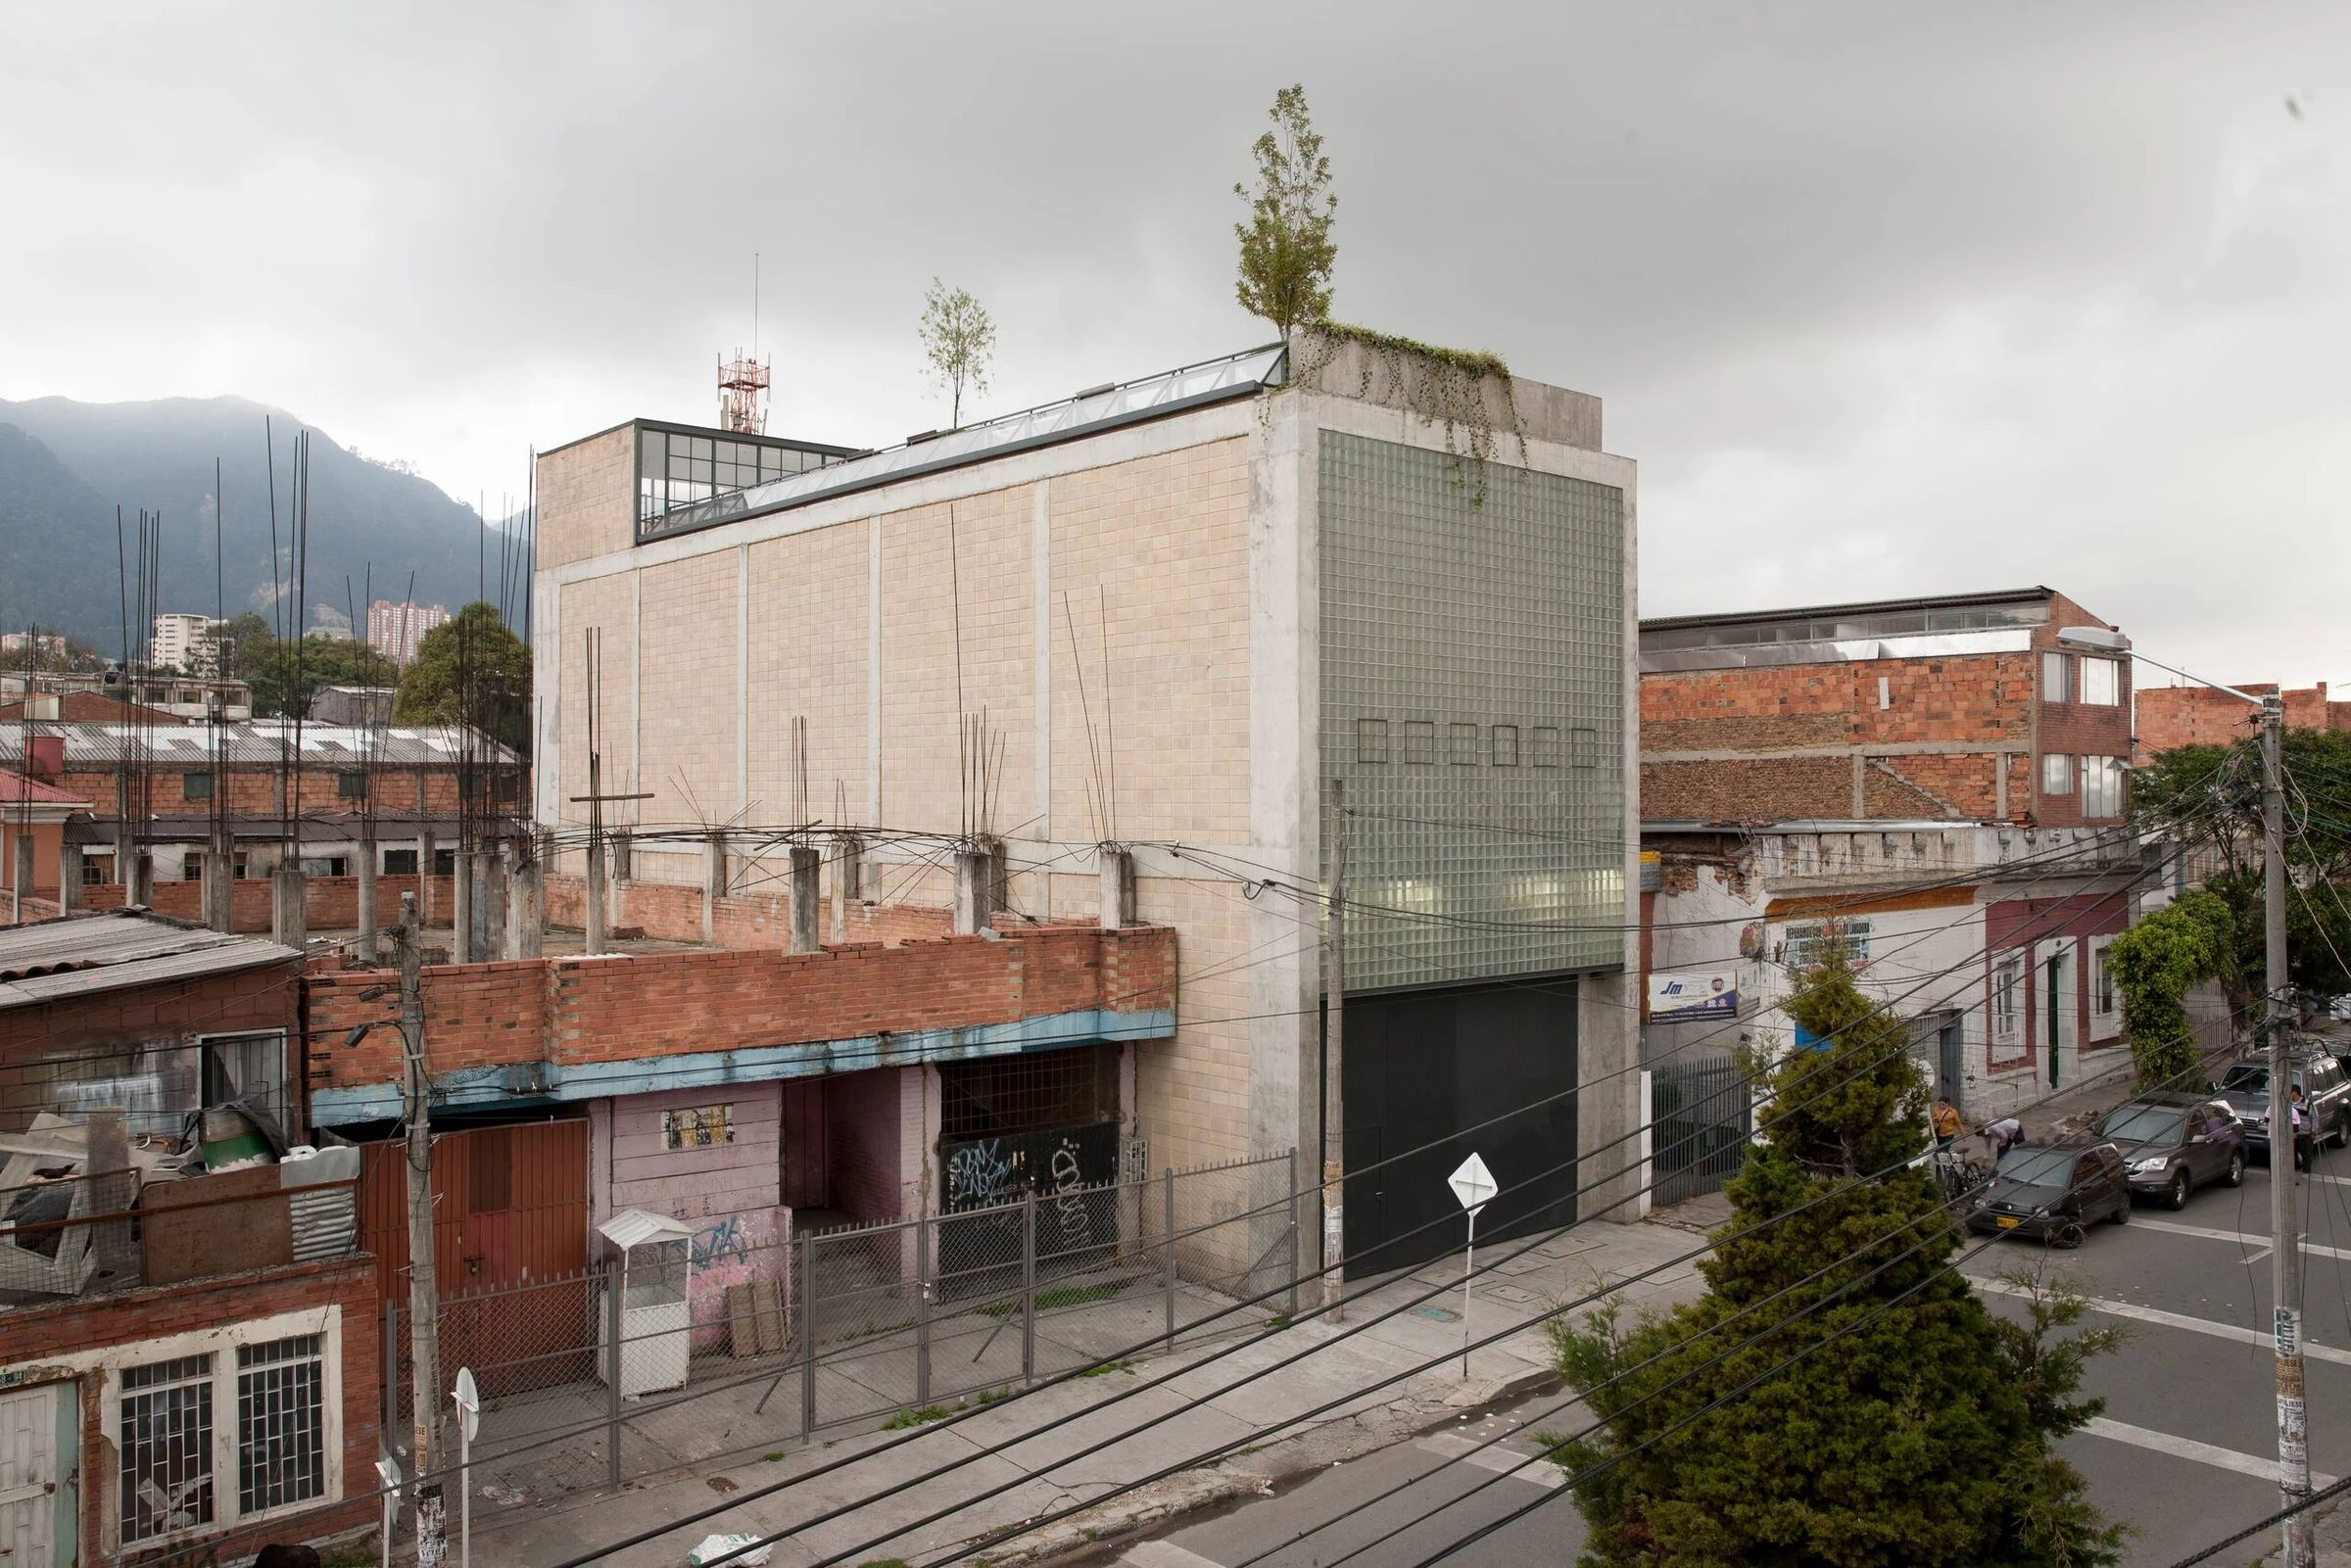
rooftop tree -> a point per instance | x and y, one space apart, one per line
1286 249
959 341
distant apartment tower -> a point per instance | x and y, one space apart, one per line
183 642
396 630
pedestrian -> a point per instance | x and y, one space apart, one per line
2302 1146
2001 1136
1944 1119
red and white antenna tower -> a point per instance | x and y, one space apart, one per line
743 380
742 394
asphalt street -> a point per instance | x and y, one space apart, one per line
2185 1452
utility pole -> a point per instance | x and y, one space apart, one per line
424 1308
1334 1101
2285 1208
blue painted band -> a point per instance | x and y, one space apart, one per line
546 1082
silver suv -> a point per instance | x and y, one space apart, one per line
2326 1102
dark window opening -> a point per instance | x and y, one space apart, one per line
1035 1091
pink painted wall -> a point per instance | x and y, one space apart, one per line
727 1191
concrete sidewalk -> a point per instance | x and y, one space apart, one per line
1162 1428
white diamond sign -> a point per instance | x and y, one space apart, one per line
1474 1183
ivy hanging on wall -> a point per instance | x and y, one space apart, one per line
1458 389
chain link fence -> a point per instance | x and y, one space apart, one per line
902 1320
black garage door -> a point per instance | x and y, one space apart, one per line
1422 1065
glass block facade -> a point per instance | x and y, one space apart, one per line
1473 705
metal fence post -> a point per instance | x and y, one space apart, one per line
1029 1286
807 1338
1168 1268
612 1372
1292 1179
922 1311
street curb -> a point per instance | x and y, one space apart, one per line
1093 1534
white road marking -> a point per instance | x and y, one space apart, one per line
2259 1467
2240 1237
2163 1319
1165 1554
1494 1458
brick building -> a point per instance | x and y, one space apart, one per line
206 1378
341 786
1182 612
2170 716
34 817
1941 779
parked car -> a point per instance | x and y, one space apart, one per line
2055 1192
2325 1101
2172 1143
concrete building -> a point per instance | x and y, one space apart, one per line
34 817
207 1377
2171 716
1170 620
185 644
1939 779
396 630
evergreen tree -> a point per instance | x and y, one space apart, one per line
1917 1430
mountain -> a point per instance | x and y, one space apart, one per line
57 545
71 463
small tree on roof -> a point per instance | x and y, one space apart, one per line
1286 249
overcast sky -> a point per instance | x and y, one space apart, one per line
1885 300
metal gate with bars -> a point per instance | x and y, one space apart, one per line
1704 1113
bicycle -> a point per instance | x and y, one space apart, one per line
1959 1175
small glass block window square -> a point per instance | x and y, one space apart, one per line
1372 740
1545 744
1505 745
1419 742
1463 744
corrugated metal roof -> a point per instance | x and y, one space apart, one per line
81 955
92 747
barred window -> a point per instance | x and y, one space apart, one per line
350 787
281 1425
166 1447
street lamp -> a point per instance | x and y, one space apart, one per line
2285 1242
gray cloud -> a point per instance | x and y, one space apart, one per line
1885 299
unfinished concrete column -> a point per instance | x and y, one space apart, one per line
289 905
624 867
714 884
491 914
805 865
139 889
368 915
20 871
461 908
219 891
975 890
427 851
525 914
68 876
849 868
591 901
112 1192
1118 888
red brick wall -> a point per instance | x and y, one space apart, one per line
658 1004
170 1013
431 790
2171 715
1948 701
30 1334
332 903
